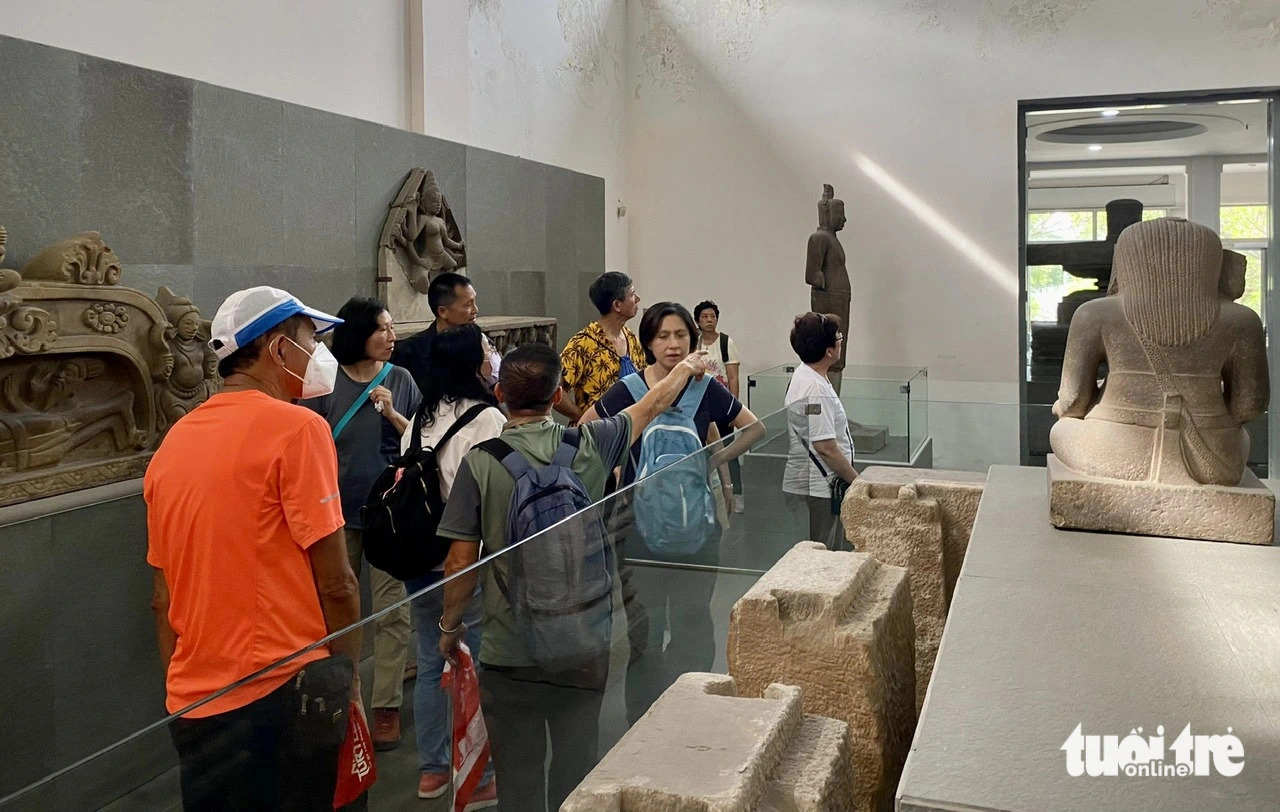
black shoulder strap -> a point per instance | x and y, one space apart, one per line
496 448
567 450
724 348
812 456
459 424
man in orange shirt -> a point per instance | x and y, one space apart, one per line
245 535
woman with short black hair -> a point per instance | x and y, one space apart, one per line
679 610
366 412
821 454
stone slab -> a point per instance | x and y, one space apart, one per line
920 519
237 147
40 156
136 162
1244 514
1054 628
703 747
839 626
318 175
957 494
869 439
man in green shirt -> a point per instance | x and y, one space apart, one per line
523 704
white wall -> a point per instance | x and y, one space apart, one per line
543 81
344 56
739 116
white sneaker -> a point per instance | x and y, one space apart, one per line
738 504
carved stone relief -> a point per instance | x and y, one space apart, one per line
91 374
420 240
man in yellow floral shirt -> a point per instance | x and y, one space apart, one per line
604 351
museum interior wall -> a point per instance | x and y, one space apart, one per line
541 82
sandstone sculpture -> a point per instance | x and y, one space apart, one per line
704 747
91 374
837 625
193 374
420 240
825 270
919 519
1160 449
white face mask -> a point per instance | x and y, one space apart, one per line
322 371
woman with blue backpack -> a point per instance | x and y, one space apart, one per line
673 511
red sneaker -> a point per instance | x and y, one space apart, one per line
484 798
386 728
433 785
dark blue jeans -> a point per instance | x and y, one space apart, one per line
430 702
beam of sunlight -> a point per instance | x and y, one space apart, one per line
1004 276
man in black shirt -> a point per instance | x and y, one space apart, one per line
453 301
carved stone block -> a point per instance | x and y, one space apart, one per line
702 746
420 240
868 439
91 374
839 626
1245 513
921 520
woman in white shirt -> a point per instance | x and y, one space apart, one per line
456 385
821 446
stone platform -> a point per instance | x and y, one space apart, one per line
702 747
1050 629
1244 514
921 520
838 625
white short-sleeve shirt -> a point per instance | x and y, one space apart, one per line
814 412
485 426
717 363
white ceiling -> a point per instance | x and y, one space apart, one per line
1231 129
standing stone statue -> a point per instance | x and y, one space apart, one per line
420 240
193 369
424 236
825 271
1161 447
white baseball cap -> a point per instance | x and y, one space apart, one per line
248 314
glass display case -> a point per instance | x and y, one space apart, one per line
887 406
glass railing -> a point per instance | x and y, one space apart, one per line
677 557
889 405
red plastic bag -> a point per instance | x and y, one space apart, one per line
356 768
470 738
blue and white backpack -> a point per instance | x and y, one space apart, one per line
675 510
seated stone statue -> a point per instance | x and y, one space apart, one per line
1186 365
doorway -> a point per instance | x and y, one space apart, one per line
1090 167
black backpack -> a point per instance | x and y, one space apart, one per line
404 507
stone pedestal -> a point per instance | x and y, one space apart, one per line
921 520
1050 629
838 625
1244 514
506 332
869 439
702 747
